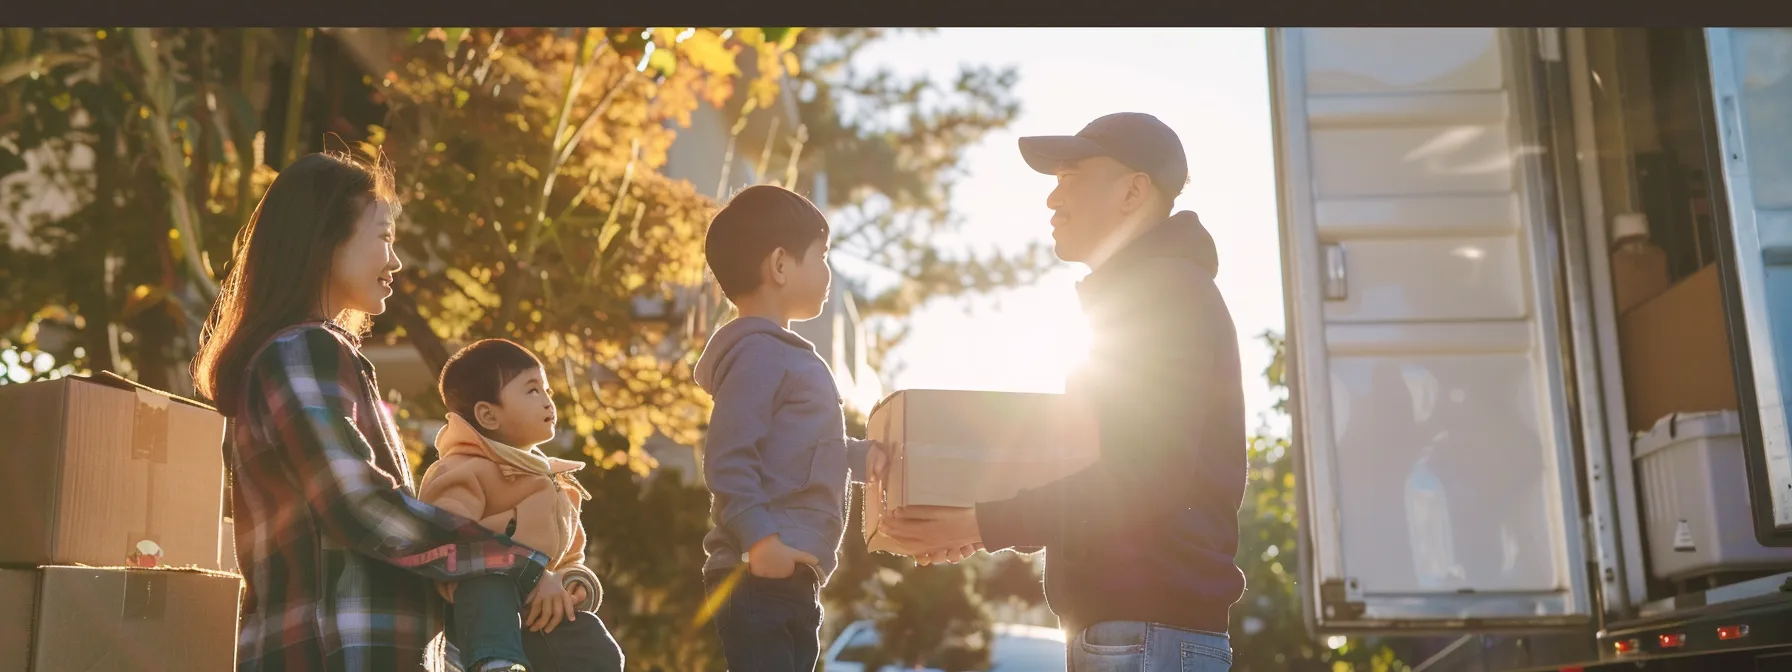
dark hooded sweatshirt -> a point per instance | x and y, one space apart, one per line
1148 533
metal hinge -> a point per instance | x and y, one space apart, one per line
1549 44
1341 599
1589 532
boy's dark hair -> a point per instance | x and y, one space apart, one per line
479 371
758 220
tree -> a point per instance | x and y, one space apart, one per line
531 171
141 153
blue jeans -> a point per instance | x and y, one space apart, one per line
770 625
1131 646
486 622
487 625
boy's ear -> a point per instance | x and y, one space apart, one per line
486 414
777 266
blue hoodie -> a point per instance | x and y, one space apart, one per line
776 457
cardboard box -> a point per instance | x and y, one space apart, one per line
1675 353
100 471
1637 276
60 619
958 448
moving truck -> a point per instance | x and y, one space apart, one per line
1539 309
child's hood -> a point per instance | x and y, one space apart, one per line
713 364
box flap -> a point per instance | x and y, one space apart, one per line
113 380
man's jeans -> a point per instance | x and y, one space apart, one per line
770 625
1130 646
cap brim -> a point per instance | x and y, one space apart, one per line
1049 153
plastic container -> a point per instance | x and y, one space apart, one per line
1695 498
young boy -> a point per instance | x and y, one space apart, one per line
776 459
491 471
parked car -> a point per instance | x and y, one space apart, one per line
1016 648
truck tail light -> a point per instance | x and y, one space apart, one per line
1730 632
1673 641
1624 646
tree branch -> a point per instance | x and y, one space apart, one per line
560 148
159 93
423 337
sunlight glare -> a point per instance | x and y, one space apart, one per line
1022 340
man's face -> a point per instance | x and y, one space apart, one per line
1092 199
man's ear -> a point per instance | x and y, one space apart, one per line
1138 192
486 414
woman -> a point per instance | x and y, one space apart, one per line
338 558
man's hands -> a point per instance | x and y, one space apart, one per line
771 559
949 533
550 604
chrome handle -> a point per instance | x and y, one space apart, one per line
1337 285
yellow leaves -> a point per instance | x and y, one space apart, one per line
705 49
663 61
792 66
376 135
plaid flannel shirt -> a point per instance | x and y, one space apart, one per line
338 557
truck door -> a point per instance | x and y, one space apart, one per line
1439 483
1751 86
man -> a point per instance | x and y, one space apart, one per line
1140 545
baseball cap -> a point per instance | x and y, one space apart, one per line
1136 139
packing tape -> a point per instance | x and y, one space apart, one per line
149 442
145 595
149 427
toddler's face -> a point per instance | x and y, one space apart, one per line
524 415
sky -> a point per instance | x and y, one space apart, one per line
1209 85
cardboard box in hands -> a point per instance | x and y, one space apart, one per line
958 448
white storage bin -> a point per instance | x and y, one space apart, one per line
1695 498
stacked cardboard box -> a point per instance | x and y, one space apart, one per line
958 448
1675 352
109 549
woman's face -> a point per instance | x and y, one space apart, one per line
361 272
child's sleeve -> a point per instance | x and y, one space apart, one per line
744 402
573 568
858 453
309 381
456 491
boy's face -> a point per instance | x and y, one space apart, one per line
524 415
807 282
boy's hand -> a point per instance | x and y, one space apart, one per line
578 593
771 559
877 461
446 589
550 604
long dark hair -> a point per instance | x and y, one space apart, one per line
281 265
